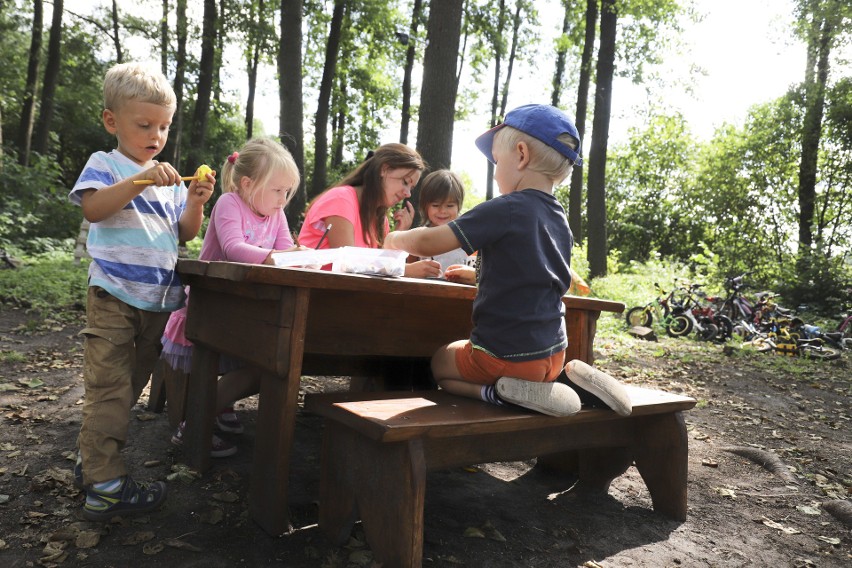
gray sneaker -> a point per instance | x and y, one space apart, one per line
553 399
603 386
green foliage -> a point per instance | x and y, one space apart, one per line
35 214
49 283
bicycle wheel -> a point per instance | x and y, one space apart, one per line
679 326
726 327
639 316
820 352
709 330
761 344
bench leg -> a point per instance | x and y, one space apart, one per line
157 392
384 483
661 454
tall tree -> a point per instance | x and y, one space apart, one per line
259 35
499 47
51 78
597 245
119 54
290 97
25 131
575 195
561 54
181 30
410 52
164 39
437 101
821 18
200 115
332 48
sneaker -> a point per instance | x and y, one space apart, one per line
553 399
129 498
603 386
218 449
227 421
78 472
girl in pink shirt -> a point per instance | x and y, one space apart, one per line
247 225
356 207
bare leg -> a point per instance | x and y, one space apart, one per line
236 385
447 374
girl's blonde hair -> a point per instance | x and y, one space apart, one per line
543 159
259 159
368 176
438 187
136 82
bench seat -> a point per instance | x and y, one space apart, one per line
378 447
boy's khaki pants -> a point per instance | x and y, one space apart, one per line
122 346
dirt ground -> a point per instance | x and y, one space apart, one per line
741 513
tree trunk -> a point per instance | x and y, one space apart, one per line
575 194
221 35
25 131
200 115
495 92
116 40
516 26
437 102
820 48
597 245
51 78
409 66
254 60
561 54
164 39
290 95
180 77
318 183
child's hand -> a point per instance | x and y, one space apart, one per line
404 217
423 269
461 274
162 173
200 191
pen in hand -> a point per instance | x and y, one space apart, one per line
322 238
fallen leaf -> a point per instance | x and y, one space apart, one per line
212 516
151 548
181 472
146 416
726 492
226 497
709 463
778 526
808 510
830 540
87 539
152 463
474 532
138 537
175 543
31 383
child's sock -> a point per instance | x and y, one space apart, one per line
110 486
488 393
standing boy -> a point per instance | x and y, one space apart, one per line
133 241
517 346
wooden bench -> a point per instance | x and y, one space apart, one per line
378 447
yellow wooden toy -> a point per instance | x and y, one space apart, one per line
200 175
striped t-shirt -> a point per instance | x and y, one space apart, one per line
134 252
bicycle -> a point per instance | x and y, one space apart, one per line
783 340
659 307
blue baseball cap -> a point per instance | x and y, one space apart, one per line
542 122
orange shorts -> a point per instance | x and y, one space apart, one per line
477 366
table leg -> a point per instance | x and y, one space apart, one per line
276 422
201 407
662 460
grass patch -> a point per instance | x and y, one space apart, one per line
12 357
50 284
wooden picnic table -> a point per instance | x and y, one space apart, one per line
290 321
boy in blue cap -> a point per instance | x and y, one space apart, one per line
517 346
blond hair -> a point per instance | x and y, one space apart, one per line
543 159
136 82
438 187
259 159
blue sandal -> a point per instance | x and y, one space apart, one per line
129 498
